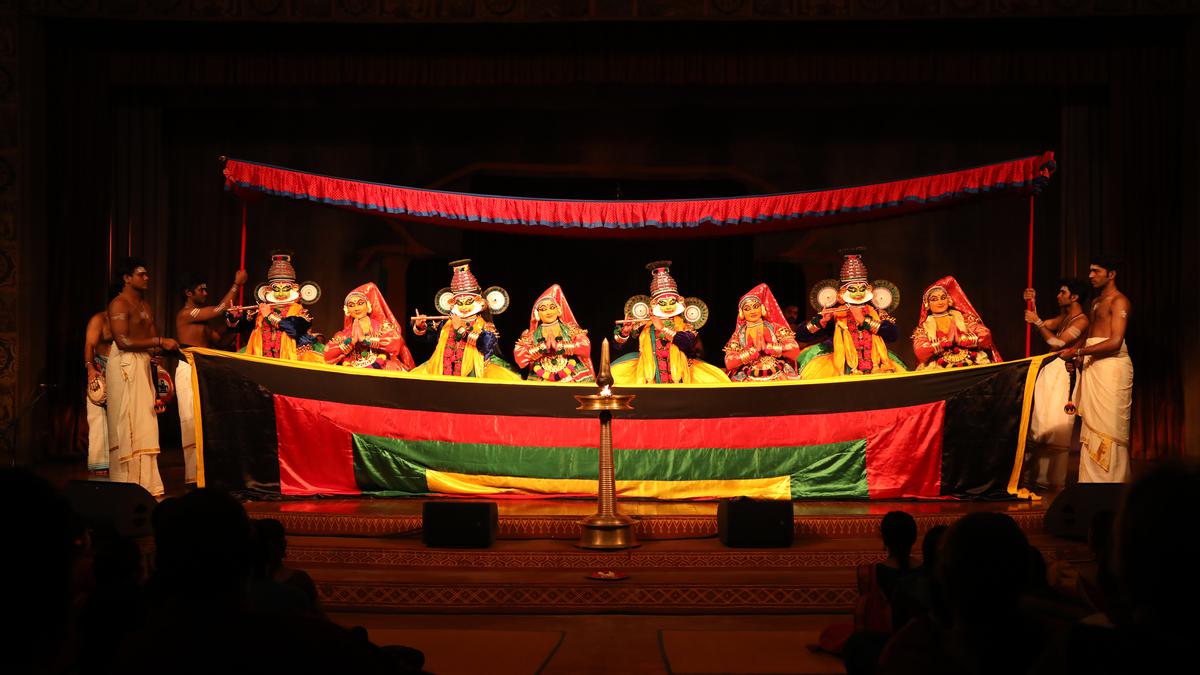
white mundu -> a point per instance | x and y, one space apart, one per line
132 423
1105 400
187 419
1050 426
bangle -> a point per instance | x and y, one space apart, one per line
1038 323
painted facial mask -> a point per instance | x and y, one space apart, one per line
938 301
857 293
752 310
357 306
283 291
467 305
548 311
667 306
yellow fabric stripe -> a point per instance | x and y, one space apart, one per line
199 423
1035 366
468 484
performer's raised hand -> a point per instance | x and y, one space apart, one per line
264 310
1032 316
1030 295
168 344
240 278
456 321
658 323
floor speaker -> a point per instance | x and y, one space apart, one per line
1070 515
755 523
459 524
122 507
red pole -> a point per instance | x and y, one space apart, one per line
1029 279
242 266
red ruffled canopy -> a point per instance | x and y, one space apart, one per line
661 218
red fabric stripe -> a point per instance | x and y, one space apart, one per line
904 445
904 456
633 218
315 457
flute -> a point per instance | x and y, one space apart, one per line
427 318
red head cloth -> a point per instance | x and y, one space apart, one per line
379 313
958 301
771 311
660 279
565 315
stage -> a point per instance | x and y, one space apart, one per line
367 555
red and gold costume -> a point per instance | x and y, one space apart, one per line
762 346
855 323
665 355
954 336
554 348
282 332
372 340
467 344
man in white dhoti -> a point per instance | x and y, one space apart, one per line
1050 425
96 345
132 399
193 330
1106 381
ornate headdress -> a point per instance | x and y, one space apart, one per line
853 267
463 282
661 281
281 268
771 311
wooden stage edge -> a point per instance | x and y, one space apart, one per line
558 518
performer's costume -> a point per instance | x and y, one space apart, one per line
667 356
283 333
1050 425
1105 399
762 346
381 346
554 349
132 422
97 419
187 418
473 349
854 326
954 338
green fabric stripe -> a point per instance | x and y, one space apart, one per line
390 464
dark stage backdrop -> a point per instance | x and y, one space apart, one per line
139 117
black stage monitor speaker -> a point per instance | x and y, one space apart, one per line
124 507
755 523
1070 515
459 524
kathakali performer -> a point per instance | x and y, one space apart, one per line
370 336
762 346
282 325
468 342
666 325
950 333
555 348
855 323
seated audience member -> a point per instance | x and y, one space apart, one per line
913 595
200 618
42 540
976 626
1154 612
277 587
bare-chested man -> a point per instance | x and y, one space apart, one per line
1106 380
96 345
1050 426
132 399
192 327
